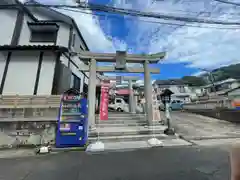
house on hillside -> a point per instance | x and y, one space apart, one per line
35 51
220 87
233 93
177 86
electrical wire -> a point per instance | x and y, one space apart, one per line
228 2
148 21
141 14
179 10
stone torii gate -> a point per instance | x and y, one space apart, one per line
130 79
120 58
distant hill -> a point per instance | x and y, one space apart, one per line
232 71
194 81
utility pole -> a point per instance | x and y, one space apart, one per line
211 78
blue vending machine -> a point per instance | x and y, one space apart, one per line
72 120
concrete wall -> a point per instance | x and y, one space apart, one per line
208 105
8 20
230 115
14 134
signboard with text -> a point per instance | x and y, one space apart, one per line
104 100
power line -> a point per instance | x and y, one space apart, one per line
153 22
162 16
228 2
179 10
141 14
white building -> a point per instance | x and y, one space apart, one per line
221 86
181 91
35 46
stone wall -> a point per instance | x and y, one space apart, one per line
28 120
14 134
209 104
230 115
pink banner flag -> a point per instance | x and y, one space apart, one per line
104 100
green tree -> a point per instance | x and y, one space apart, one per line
193 80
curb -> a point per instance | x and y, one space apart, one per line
70 149
119 150
16 147
214 138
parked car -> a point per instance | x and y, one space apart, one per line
174 105
119 105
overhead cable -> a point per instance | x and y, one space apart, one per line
228 2
154 22
142 14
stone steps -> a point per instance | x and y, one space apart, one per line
127 138
124 122
124 115
124 131
101 125
123 118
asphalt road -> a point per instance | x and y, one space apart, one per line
193 126
181 163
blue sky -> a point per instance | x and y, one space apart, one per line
119 30
188 48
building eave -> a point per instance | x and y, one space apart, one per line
34 47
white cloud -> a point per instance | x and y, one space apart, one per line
92 32
201 47
199 73
89 27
